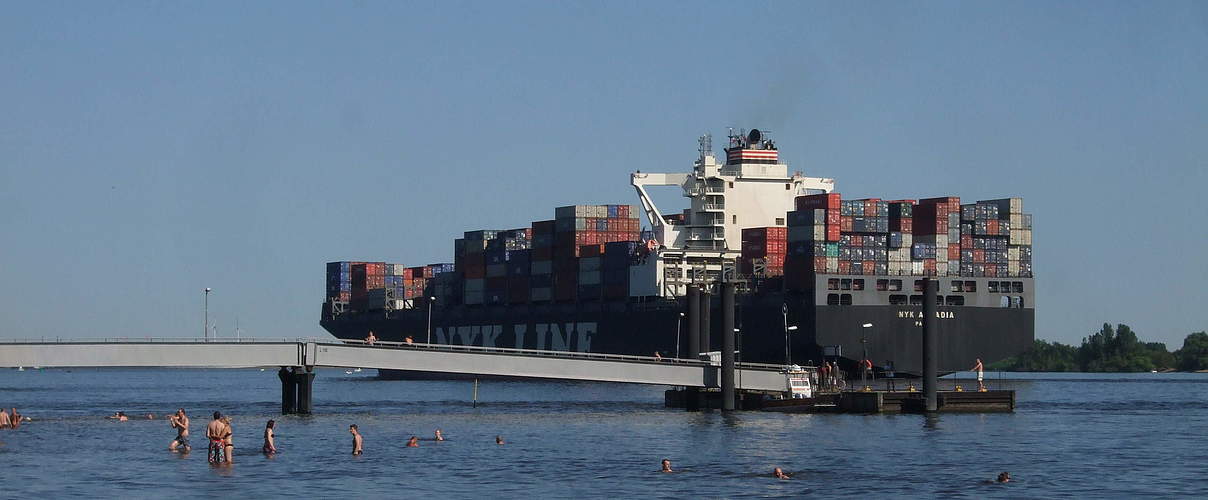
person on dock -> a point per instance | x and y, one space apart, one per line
498 439
269 446
866 371
371 338
228 445
439 437
5 421
657 356
666 465
977 367
779 474
216 434
413 442
823 371
1003 477
408 340
356 439
180 422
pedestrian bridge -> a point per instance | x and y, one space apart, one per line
307 354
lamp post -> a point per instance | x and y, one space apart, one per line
788 356
678 321
864 342
205 328
430 301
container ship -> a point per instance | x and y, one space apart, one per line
819 276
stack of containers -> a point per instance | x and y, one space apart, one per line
395 281
996 239
470 260
339 281
936 235
901 237
497 255
618 256
366 276
591 279
582 226
541 265
812 238
445 284
768 244
519 267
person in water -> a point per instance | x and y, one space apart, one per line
779 474
14 419
5 420
413 442
180 422
498 439
666 465
438 436
1004 477
216 433
356 439
269 446
228 446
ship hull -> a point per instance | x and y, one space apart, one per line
644 328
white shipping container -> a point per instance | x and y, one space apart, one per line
916 267
832 264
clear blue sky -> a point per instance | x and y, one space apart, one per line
149 150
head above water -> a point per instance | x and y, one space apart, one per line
352 427
270 424
1004 477
217 415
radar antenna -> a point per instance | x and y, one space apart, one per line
705 146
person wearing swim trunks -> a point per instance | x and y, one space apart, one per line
977 367
4 419
356 439
216 433
269 446
180 422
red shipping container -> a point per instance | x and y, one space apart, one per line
870 209
833 233
844 267
833 217
992 227
979 255
991 271
954 252
857 242
820 264
845 223
623 211
828 201
966 240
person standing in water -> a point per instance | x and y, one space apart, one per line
14 419
356 439
228 445
269 446
216 434
5 422
180 422
666 465
438 436
977 367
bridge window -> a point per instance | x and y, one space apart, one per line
731 184
832 299
970 286
857 284
916 300
993 286
895 286
845 285
788 187
897 300
780 221
955 300
956 286
882 285
832 284
734 219
845 299
1004 287
1017 286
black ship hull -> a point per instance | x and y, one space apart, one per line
645 327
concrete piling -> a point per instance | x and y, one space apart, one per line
693 300
727 346
289 391
706 320
930 344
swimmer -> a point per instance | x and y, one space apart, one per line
5 421
14 419
666 466
413 442
438 436
498 439
180 422
228 446
269 447
356 439
119 416
215 432
1004 477
779 474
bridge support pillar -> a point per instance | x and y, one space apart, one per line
304 380
706 320
289 391
727 346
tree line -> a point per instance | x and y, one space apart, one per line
1110 350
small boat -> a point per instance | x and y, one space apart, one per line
358 370
20 368
348 372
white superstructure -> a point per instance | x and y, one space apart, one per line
752 188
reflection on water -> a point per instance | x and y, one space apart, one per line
592 440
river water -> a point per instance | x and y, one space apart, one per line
1073 435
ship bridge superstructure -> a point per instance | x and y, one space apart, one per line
752 188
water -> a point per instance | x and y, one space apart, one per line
1072 436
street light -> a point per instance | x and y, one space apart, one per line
678 322
864 341
788 357
205 328
430 301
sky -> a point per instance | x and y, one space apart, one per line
150 150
